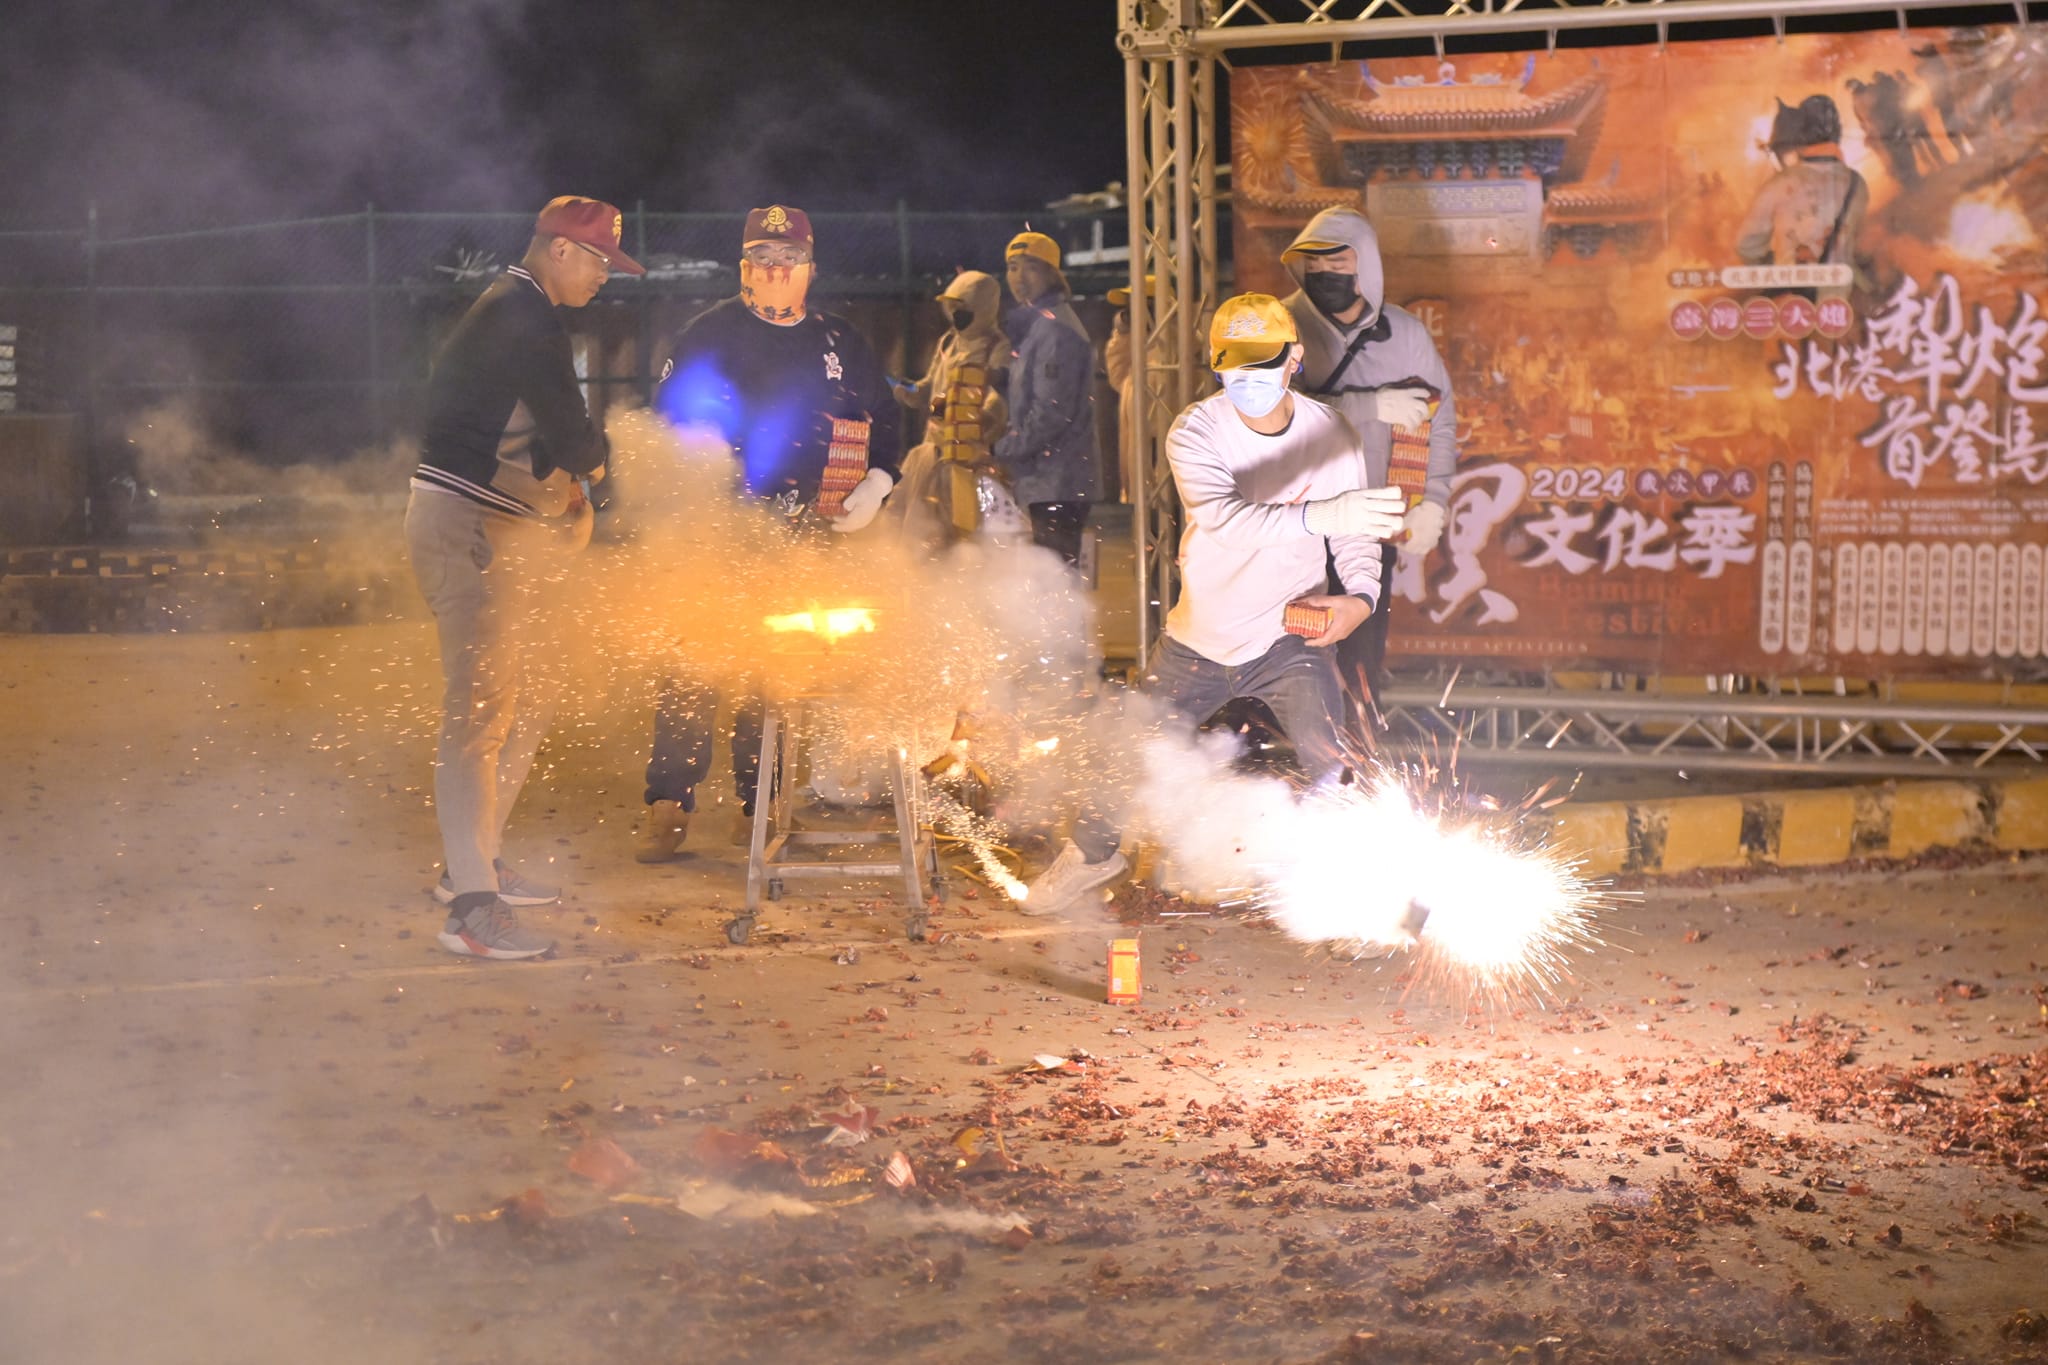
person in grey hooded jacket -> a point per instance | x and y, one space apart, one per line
1048 455
1375 363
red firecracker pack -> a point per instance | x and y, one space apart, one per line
1408 464
1309 622
846 464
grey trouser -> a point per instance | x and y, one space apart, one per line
491 581
1300 685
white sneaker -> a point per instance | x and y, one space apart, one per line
1067 883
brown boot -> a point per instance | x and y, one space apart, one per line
661 832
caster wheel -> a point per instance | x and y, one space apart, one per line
938 888
739 929
775 888
917 928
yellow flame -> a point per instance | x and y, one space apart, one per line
831 623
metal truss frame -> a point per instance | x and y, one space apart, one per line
1172 51
1859 737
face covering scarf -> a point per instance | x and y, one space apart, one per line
775 293
962 319
1255 392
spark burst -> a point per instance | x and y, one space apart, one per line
1383 865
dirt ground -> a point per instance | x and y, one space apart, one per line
249 1111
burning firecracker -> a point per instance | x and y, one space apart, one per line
1376 869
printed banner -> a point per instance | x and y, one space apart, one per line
1749 339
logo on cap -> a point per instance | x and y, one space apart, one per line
776 219
618 227
1241 326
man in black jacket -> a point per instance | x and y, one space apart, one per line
497 508
800 397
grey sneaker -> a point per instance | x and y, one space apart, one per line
1068 882
490 929
514 888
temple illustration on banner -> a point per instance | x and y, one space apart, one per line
1443 167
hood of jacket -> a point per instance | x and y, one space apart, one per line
1345 227
983 295
1323 341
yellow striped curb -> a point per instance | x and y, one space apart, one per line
1814 828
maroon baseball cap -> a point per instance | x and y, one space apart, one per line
592 222
777 224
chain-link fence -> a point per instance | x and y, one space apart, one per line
309 340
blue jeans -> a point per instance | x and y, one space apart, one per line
1300 685
684 715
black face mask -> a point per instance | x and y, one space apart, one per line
962 319
1330 291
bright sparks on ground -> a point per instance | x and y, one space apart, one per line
1370 863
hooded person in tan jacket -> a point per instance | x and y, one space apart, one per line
974 340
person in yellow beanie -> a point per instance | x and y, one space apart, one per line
1048 455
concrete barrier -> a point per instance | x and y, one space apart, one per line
1813 828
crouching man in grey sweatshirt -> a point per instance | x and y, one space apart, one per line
1274 487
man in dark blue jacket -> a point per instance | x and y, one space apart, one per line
800 397
1048 455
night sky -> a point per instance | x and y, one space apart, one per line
194 112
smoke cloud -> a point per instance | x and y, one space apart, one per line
236 112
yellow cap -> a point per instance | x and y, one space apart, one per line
1313 248
1250 329
1120 297
1036 245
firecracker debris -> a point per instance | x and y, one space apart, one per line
1798 1118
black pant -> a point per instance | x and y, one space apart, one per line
1362 655
1057 526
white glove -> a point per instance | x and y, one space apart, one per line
1425 524
1374 512
864 501
1401 407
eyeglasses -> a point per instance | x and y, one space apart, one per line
775 253
603 259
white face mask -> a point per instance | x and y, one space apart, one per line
1255 392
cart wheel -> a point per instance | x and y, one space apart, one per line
917 928
775 888
739 929
938 888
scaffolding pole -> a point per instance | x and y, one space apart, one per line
1171 51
